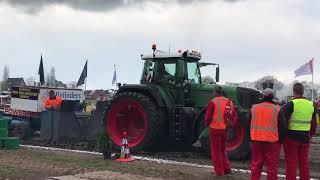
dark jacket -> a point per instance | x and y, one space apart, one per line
301 136
281 121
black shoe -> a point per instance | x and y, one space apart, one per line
228 172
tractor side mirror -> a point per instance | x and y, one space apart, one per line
217 74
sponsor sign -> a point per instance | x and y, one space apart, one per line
32 98
15 112
25 93
65 94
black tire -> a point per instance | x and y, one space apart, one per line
22 131
243 150
155 120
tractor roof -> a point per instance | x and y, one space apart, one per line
163 55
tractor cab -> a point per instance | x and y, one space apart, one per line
179 74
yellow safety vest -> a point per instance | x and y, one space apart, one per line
302 115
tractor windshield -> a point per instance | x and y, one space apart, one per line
207 74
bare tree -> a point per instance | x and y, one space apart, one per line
51 77
30 81
72 85
53 74
5 77
207 80
268 82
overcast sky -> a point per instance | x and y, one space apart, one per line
249 39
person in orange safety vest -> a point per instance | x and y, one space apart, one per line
52 102
266 131
216 118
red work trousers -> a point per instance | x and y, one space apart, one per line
294 152
265 152
219 157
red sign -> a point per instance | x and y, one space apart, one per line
15 112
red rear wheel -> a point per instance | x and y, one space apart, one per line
238 139
138 116
127 115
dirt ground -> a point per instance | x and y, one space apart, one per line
41 164
44 164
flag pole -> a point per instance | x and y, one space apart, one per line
116 77
312 88
85 81
85 85
312 84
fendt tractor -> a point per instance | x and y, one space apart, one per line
169 106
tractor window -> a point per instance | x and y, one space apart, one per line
193 73
170 68
147 75
166 71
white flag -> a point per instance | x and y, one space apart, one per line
114 79
306 69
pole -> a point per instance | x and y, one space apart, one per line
116 82
85 85
312 88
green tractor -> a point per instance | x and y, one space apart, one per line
169 106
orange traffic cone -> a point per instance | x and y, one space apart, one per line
125 153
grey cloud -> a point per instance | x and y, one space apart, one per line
35 6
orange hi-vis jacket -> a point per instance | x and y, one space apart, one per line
53 103
264 122
220 105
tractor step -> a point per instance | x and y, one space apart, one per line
10 143
176 129
181 124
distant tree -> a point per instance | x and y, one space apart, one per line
72 85
268 81
30 81
48 80
51 78
207 80
5 77
245 84
53 74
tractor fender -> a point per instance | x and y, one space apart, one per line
147 90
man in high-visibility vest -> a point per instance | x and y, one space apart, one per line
52 102
301 125
215 117
266 132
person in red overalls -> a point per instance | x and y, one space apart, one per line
301 126
266 131
52 102
215 117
